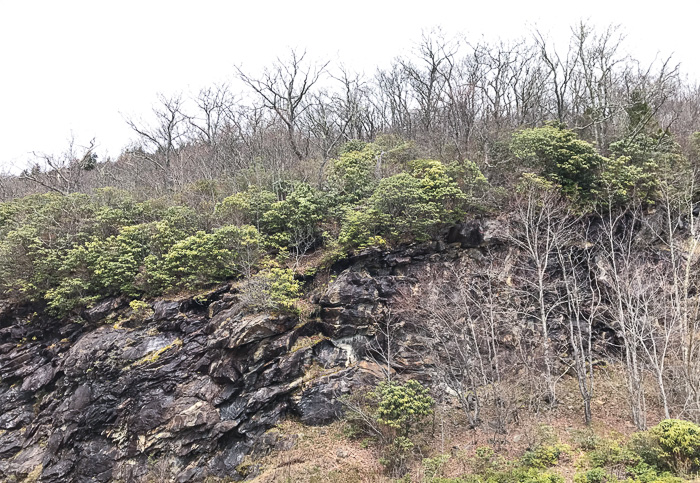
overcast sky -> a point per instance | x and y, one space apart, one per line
81 66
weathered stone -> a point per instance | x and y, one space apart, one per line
350 288
58 471
237 331
273 441
165 309
216 307
10 444
27 460
16 417
96 461
468 235
330 355
89 349
102 309
287 368
496 231
200 382
40 378
320 404
151 415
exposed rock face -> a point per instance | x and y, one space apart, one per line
197 383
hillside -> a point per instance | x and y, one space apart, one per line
479 265
198 379
191 386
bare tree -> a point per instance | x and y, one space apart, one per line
283 89
214 111
452 322
583 305
63 173
160 141
462 108
561 70
354 108
213 130
619 271
427 73
394 99
461 317
543 221
599 58
679 234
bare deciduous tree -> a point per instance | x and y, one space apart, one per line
583 304
160 141
617 269
63 173
543 222
283 89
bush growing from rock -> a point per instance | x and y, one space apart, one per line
560 156
295 222
272 289
595 475
544 456
141 310
202 258
351 177
406 206
392 414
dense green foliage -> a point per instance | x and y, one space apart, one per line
352 175
68 251
294 222
561 157
667 453
545 455
403 407
273 289
679 444
246 207
664 453
409 206
203 257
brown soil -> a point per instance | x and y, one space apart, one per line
326 454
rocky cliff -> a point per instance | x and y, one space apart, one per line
197 380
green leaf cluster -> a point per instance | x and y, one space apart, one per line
204 257
403 407
70 251
560 156
582 173
663 454
246 207
406 206
544 455
679 443
351 177
295 221
272 289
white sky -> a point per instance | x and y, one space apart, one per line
79 67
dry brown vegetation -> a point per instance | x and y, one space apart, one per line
327 454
